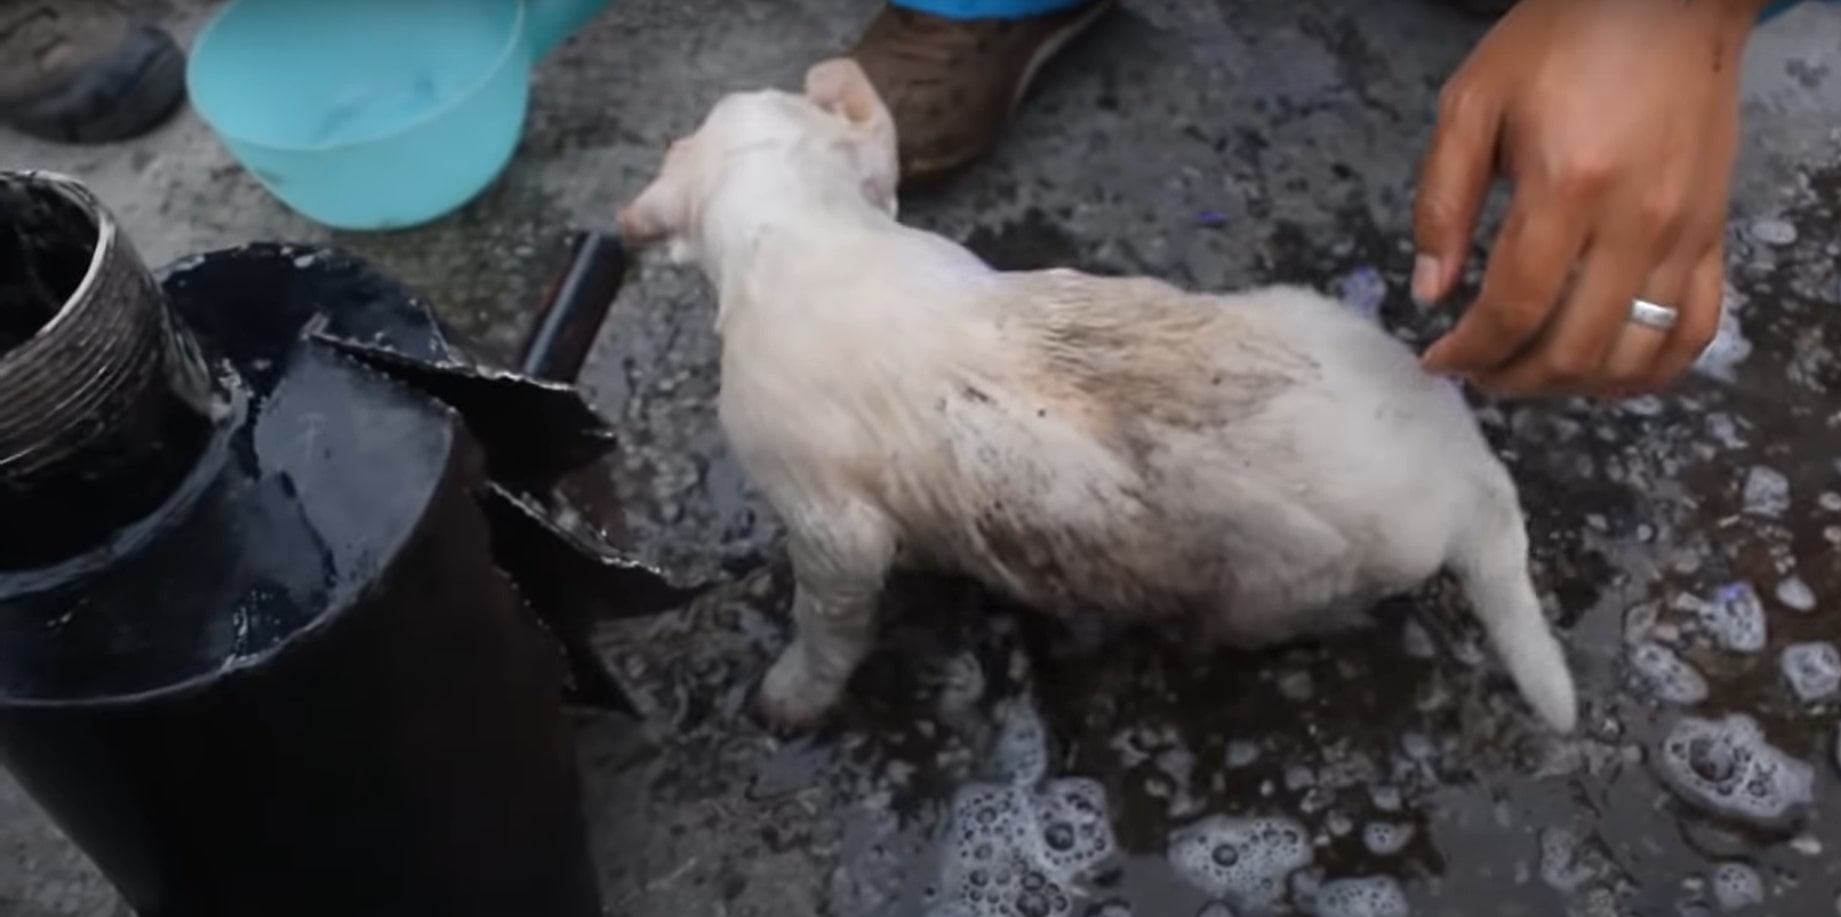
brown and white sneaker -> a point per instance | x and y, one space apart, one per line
952 84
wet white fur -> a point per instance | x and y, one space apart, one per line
1260 466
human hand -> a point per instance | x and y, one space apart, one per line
1617 125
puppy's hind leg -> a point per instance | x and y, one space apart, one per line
841 555
1492 567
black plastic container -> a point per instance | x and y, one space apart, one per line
298 685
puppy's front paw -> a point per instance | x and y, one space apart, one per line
792 698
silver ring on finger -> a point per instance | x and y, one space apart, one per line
1653 315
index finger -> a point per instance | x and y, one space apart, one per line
1528 270
1453 178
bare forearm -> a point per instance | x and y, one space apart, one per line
1737 13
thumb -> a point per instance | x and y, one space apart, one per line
1452 180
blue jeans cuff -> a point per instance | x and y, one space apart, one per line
987 9
1024 9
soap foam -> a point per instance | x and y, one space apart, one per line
1813 670
1737 886
1386 838
1795 594
1363 291
1374 896
1570 863
1241 753
1729 347
1387 797
1670 678
992 866
1772 231
1021 848
1021 752
1734 618
1244 861
1076 833
1727 767
1766 492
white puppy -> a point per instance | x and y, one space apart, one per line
1264 465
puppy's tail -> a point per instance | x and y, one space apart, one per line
1492 567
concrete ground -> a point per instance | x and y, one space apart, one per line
1217 143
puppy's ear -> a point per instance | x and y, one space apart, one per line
841 87
641 223
663 211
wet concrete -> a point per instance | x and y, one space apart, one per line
1686 543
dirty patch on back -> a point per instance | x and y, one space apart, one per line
1161 358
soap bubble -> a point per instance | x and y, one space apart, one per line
1245 861
1727 767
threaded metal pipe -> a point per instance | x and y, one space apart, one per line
105 402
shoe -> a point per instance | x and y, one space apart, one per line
83 71
952 84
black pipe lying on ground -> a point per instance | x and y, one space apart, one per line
263 650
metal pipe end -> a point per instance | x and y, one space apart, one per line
105 399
